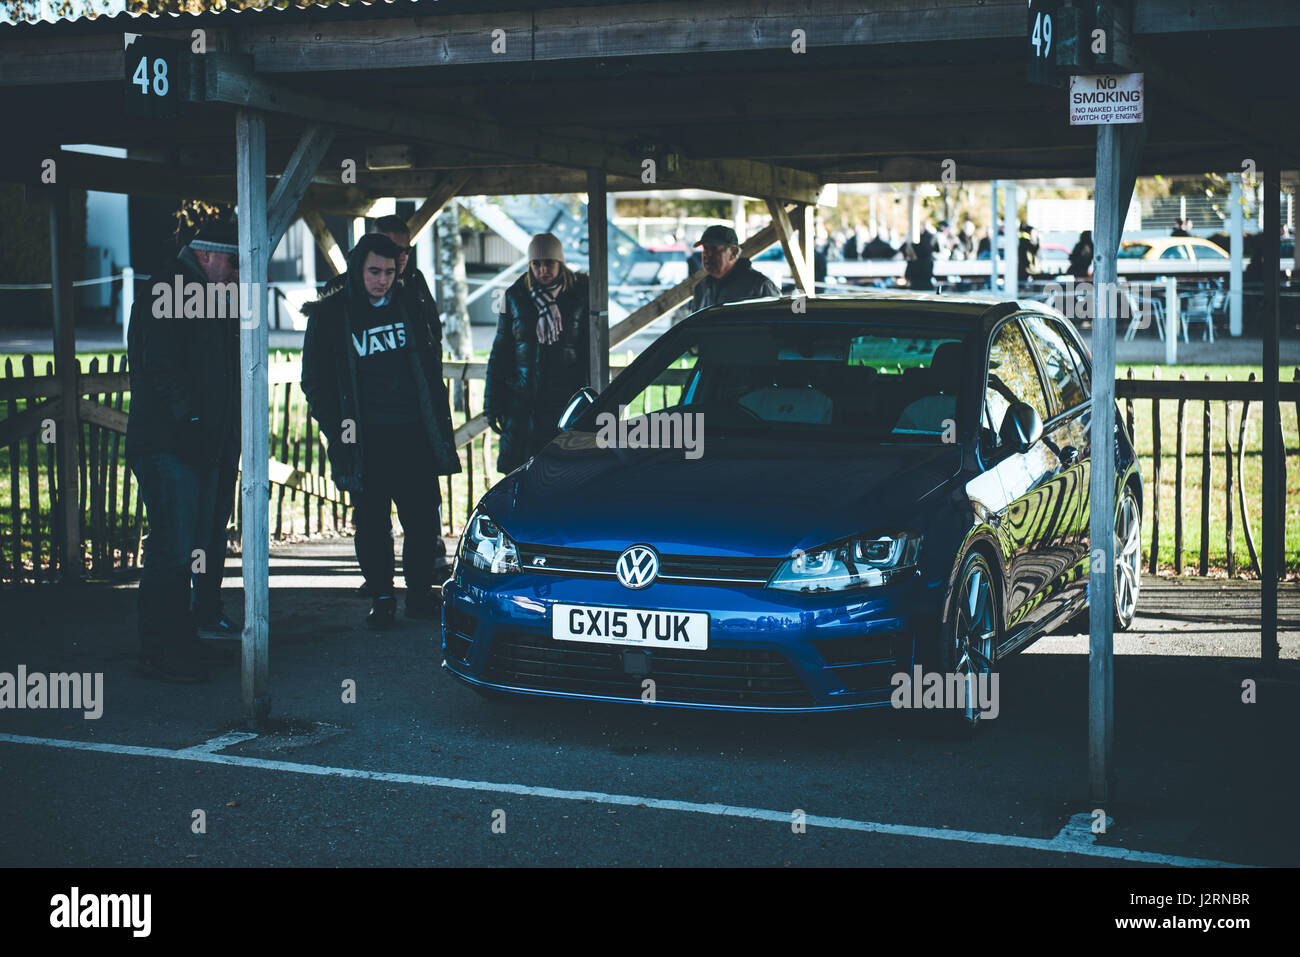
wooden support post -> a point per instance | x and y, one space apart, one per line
1236 243
325 241
302 165
799 267
1272 519
1101 491
68 433
598 258
255 487
1011 245
805 220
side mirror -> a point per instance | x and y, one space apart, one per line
1021 427
580 403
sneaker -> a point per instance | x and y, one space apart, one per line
383 613
164 668
422 604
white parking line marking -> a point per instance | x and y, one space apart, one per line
212 745
1058 844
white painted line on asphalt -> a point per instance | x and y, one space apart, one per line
1058 844
212 745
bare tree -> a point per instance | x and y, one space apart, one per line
453 291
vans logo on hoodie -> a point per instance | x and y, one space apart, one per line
384 338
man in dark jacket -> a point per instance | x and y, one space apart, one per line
182 442
372 374
414 292
731 277
540 355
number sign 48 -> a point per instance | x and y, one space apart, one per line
155 71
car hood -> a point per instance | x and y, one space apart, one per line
745 496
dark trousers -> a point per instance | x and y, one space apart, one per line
397 467
186 505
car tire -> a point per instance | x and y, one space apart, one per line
967 638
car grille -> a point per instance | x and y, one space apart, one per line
866 662
691 569
725 676
459 633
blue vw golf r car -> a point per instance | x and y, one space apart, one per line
771 511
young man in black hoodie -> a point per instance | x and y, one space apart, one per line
414 292
371 372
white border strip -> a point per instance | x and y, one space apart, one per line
1058 845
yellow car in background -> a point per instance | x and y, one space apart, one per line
1181 248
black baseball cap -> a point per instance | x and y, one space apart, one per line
719 236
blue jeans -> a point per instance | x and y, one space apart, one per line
188 508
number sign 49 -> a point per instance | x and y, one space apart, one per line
1042 42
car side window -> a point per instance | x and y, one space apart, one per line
1209 252
1013 377
1178 251
1062 377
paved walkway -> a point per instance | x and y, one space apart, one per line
416 769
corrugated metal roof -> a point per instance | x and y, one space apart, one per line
127 22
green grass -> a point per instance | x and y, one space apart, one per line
1193 445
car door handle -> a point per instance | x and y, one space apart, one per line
1069 455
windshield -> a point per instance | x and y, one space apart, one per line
1133 250
801 378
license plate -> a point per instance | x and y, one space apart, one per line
643 628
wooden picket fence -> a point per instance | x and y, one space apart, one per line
304 501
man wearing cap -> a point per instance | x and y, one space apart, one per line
540 354
182 443
731 277
372 375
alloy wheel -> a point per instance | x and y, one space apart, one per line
1128 558
975 632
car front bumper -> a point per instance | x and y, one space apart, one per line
769 650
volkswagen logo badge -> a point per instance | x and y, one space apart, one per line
637 567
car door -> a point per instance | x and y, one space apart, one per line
1068 436
1029 520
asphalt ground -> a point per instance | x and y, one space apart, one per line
421 771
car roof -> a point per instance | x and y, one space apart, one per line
962 310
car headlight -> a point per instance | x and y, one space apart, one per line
485 545
865 561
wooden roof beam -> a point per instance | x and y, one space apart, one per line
228 80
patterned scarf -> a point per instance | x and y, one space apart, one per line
549 322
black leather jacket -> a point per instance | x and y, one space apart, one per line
529 384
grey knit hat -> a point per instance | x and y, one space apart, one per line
545 246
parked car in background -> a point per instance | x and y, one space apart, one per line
1183 248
